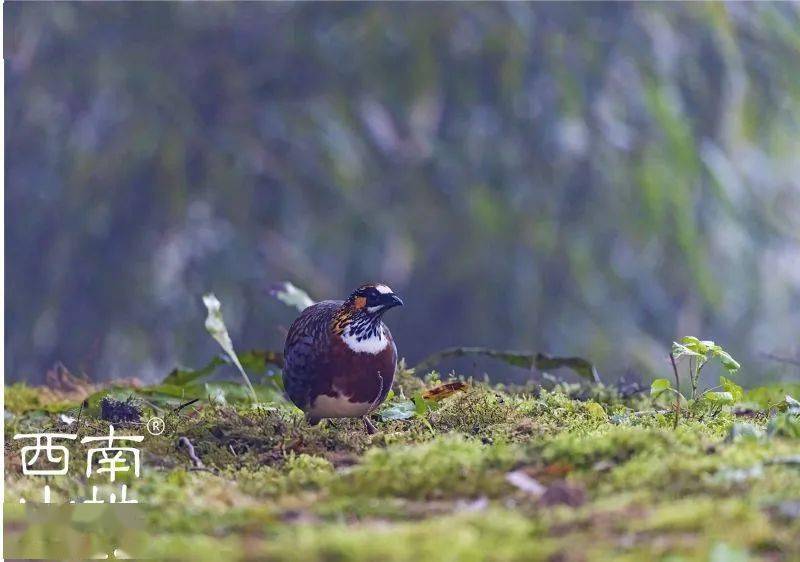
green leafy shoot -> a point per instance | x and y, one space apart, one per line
216 327
720 398
659 387
399 410
699 352
736 391
406 409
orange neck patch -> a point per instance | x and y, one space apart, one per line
361 302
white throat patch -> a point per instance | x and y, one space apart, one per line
372 345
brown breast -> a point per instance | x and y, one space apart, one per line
364 377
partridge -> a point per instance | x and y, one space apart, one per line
340 358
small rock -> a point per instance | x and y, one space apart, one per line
789 509
603 466
562 493
521 480
473 506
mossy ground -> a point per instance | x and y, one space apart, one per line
619 482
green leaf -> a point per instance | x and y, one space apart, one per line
723 552
290 295
696 345
252 361
257 361
521 359
679 350
704 350
725 398
596 411
180 376
741 430
784 425
728 362
216 327
234 393
660 386
736 391
421 406
405 409
399 410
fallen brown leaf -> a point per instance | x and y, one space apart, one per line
444 390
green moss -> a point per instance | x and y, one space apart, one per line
555 412
444 467
20 398
436 487
612 444
478 411
300 472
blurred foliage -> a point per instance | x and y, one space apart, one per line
568 178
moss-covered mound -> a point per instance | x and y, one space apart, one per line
485 473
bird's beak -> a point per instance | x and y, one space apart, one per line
391 300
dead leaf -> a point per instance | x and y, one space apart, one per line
444 390
557 470
67 385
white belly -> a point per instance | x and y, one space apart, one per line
338 407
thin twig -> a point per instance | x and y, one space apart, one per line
192 455
693 375
677 389
84 404
649 412
182 406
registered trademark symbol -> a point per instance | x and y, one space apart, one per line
155 426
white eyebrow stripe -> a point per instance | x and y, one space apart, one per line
383 289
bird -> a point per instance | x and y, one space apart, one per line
340 358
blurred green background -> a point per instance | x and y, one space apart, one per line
585 179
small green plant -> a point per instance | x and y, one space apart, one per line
403 408
699 353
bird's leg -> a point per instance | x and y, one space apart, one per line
369 426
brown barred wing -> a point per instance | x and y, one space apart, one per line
307 340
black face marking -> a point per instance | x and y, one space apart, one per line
370 293
360 316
